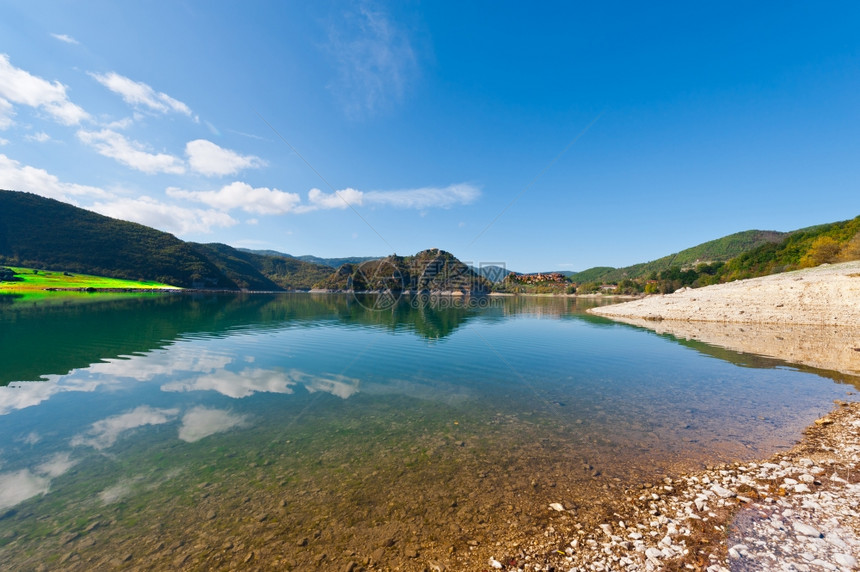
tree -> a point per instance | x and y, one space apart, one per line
824 249
851 249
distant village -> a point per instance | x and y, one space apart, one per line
538 278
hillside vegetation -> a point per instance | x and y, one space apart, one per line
332 262
41 233
36 232
719 250
804 248
429 270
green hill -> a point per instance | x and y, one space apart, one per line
825 243
719 250
253 271
332 262
37 232
812 246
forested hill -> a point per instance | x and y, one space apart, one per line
719 250
37 232
430 270
332 262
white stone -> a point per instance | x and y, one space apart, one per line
607 530
845 560
806 530
734 553
723 493
653 552
835 540
557 506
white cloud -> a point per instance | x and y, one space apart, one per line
169 218
342 199
209 159
104 433
21 87
201 422
427 197
374 58
40 137
6 113
260 200
272 201
65 38
19 486
140 94
4 141
131 153
123 123
38 181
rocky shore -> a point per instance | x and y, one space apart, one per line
799 510
796 511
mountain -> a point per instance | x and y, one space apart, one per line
332 262
38 232
428 271
44 233
492 272
719 250
253 271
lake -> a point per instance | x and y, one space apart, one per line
303 431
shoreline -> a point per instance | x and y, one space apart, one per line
827 295
793 511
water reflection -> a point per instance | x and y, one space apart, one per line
105 432
44 339
286 415
202 422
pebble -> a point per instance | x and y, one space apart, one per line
801 515
807 530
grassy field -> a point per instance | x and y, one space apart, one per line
31 280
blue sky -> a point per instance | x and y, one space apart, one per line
549 136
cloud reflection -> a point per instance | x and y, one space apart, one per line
19 486
104 433
170 362
57 465
201 422
253 380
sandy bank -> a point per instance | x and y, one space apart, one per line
828 295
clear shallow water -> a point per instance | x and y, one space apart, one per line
302 430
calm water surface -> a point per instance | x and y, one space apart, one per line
303 431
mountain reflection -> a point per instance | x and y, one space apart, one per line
37 340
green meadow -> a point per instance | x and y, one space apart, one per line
33 283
